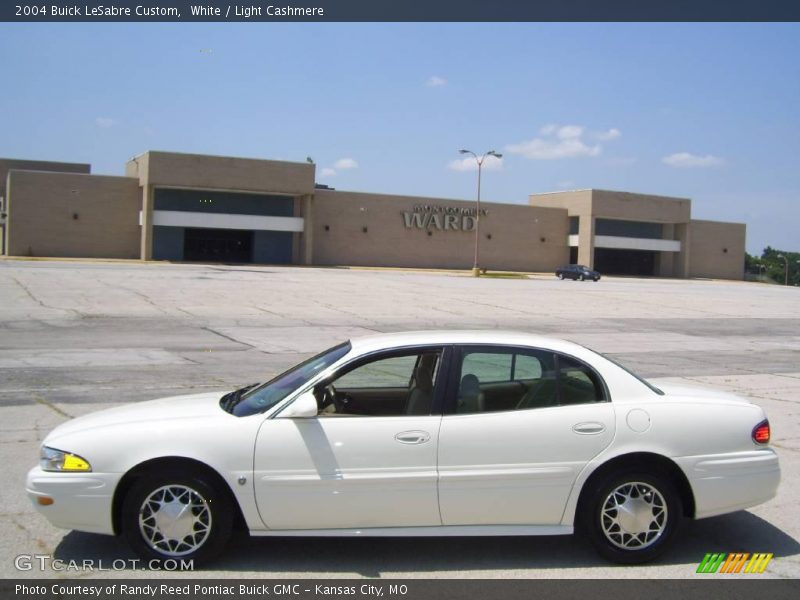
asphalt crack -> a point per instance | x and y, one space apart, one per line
43 304
44 402
229 338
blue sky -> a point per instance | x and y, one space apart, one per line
705 111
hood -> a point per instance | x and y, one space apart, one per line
696 392
176 407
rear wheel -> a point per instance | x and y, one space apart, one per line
176 516
631 517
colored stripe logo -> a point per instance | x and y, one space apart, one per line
734 562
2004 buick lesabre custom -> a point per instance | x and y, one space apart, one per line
414 434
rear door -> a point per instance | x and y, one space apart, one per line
511 455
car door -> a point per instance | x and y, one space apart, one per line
368 459
519 426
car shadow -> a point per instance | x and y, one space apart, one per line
371 557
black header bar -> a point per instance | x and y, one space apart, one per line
400 10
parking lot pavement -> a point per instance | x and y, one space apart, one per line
80 336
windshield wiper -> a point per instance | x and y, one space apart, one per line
231 399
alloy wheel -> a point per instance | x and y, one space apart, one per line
175 520
634 515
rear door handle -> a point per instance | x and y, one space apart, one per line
412 437
591 428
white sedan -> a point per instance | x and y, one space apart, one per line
414 434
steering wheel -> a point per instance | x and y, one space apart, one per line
329 396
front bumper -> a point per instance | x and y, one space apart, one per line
729 482
81 501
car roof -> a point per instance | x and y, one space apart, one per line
383 341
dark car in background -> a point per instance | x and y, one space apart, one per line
577 272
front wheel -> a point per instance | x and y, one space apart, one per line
631 517
176 516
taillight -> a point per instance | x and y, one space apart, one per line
761 432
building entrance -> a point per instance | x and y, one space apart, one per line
611 261
218 245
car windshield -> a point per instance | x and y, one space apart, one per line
255 399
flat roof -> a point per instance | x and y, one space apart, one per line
675 198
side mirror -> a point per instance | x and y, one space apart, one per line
303 407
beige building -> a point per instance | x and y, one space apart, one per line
186 207
642 234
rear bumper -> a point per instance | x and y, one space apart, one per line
81 501
725 483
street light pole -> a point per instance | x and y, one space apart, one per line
476 271
786 269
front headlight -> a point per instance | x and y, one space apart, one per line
51 459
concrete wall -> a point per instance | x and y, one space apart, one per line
516 233
7 164
716 249
576 202
221 173
640 207
72 215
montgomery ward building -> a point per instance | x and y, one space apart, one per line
186 207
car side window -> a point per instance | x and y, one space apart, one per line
505 379
386 386
527 367
489 367
578 383
394 372
508 379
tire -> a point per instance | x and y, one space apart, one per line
199 533
637 538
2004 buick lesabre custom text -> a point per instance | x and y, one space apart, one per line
414 434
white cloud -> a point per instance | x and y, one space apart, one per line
345 163
562 141
606 136
687 160
539 149
491 163
436 81
327 172
569 132
104 121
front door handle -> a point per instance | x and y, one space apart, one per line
590 428
412 437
